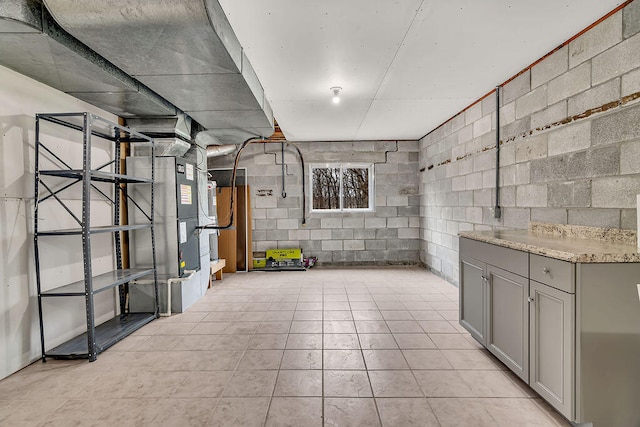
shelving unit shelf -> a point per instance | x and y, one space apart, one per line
97 338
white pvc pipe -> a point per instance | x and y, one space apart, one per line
171 282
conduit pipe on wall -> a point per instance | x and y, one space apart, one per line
496 209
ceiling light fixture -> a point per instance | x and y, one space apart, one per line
336 94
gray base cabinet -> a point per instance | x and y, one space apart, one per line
569 330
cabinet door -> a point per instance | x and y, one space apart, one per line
508 320
552 332
472 298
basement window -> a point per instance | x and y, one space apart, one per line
341 187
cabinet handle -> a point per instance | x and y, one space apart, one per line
530 299
545 270
484 278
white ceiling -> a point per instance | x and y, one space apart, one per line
405 66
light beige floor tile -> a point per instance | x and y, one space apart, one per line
545 407
519 412
414 341
299 383
363 305
404 326
437 327
308 315
491 384
343 359
251 384
220 316
359 295
458 327
230 342
302 359
311 295
336 305
426 315
372 327
282 306
295 412
341 341
240 411
211 360
256 306
426 359
241 328
384 359
187 317
309 306
451 342
462 412
396 315
260 359
274 327
406 412
183 412
261 298
367 315
339 327
450 315
352 412
306 327
210 328
278 316
252 316
394 384
202 383
194 342
338 315
439 383
22 413
346 384
377 341
417 305
390 305
338 296
304 341
268 342
472 359
74 412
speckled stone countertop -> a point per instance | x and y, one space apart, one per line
566 242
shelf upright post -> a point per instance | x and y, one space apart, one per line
153 233
116 214
35 234
86 242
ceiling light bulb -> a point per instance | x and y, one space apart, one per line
336 94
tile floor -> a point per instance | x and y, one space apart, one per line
342 347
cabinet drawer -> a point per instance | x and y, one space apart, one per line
508 259
553 272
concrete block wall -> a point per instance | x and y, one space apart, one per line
390 234
570 147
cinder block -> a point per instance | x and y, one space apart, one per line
258 213
552 66
551 215
408 210
353 245
331 223
595 217
387 233
265 224
531 102
616 61
265 202
532 148
631 82
534 195
516 217
364 233
343 256
408 233
401 222
287 224
320 234
549 115
459 214
397 201
277 213
414 222
595 97
570 194
299 234
508 113
473 181
371 222
372 245
596 40
473 113
516 87
483 161
387 212
474 215
489 104
631 19
482 126
630 158
507 154
508 196
353 222
482 197
599 162
332 245
615 192
569 138
619 126
518 129
277 235
628 219
578 79
465 198
342 234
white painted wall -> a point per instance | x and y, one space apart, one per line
20 99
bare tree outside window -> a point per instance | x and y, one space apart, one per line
340 187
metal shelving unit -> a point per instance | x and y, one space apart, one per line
96 338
